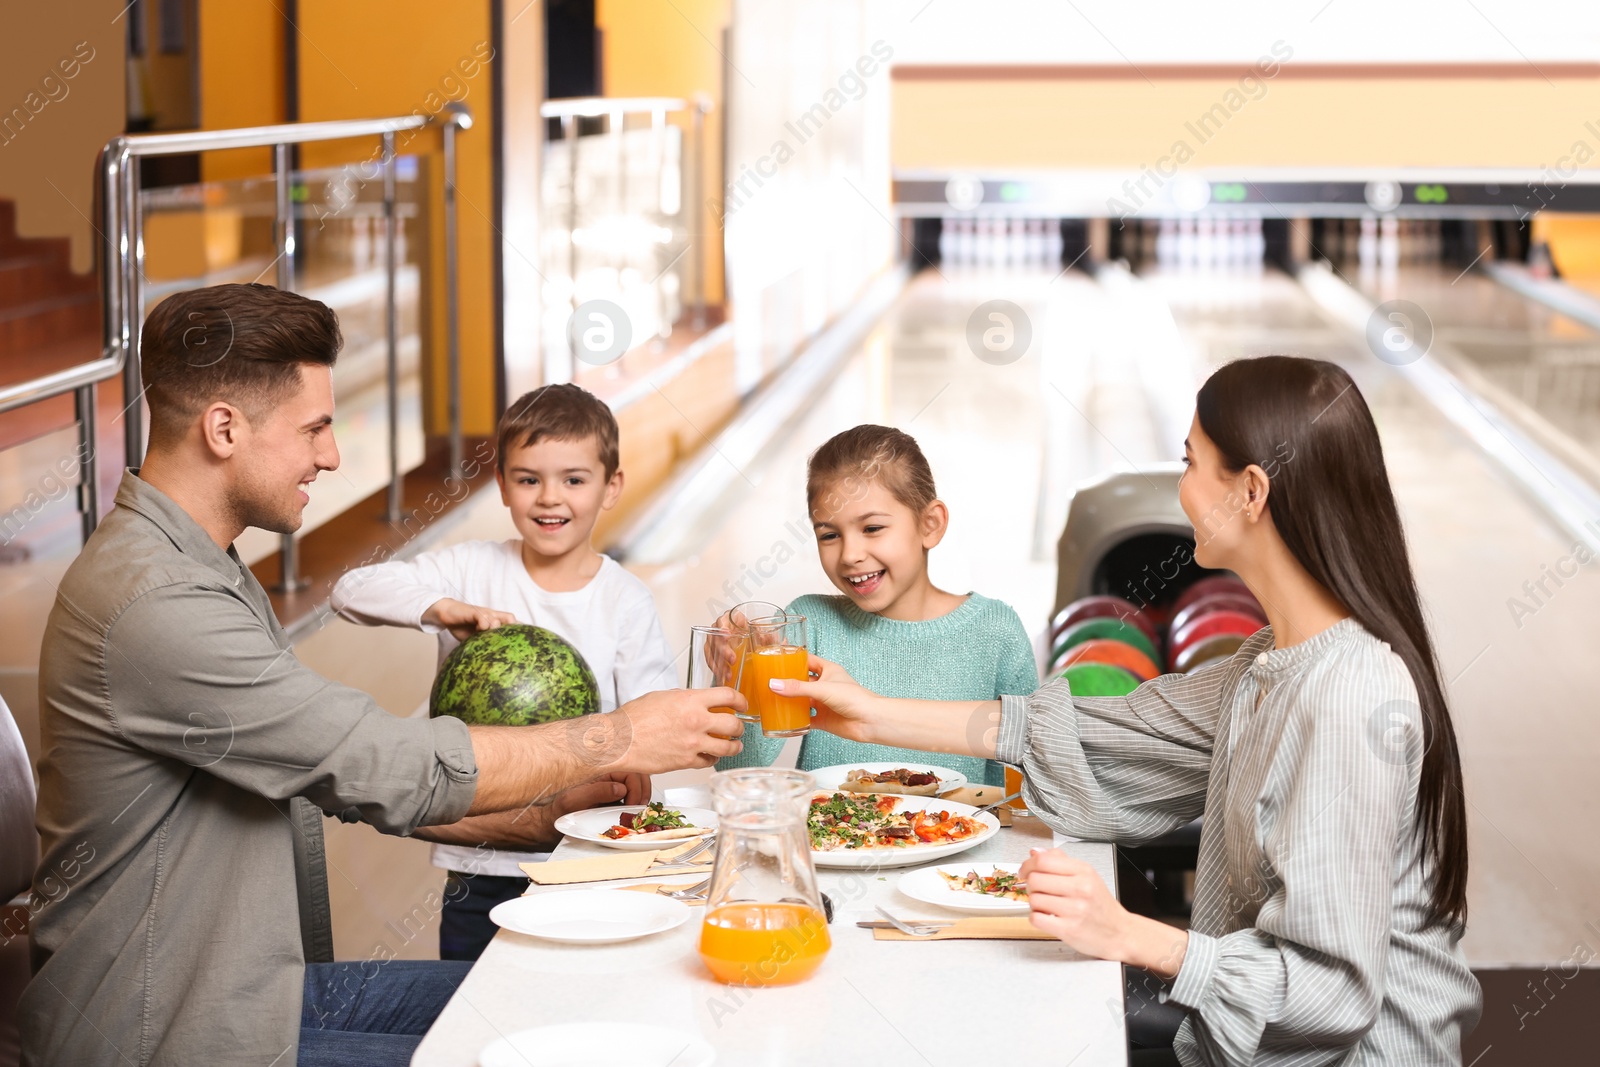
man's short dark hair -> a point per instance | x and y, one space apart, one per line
242 344
563 413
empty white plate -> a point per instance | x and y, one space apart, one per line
590 916
612 1044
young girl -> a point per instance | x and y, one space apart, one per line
876 516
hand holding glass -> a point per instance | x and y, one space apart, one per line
715 656
777 649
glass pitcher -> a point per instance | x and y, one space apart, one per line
764 921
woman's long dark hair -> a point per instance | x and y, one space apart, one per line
1306 424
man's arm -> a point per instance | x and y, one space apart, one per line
198 678
533 827
666 731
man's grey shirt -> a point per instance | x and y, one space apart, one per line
187 760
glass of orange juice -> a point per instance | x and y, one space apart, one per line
778 649
715 657
764 922
738 618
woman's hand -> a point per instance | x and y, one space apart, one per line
843 707
1069 899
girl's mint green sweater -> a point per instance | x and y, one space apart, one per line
979 651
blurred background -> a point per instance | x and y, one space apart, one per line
1022 231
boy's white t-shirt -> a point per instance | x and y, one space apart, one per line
612 621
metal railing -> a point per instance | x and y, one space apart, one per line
122 285
617 111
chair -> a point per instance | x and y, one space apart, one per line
19 855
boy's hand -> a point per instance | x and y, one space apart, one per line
464 620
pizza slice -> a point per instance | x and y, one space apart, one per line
657 820
899 780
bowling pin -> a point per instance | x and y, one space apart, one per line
1367 249
1389 243
1187 255
1052 243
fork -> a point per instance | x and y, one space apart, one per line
912 929
705 843
688 893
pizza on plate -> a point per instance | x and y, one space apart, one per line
655 819
843 820
899 780
1003 885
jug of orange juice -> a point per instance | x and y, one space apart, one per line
764 922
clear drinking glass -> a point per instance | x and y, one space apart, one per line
738 618
715 657
777 649
764 924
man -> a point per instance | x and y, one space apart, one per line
189 757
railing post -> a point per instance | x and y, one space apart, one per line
696 220
89 468
392 319
569 129
130 257
459 118
289 580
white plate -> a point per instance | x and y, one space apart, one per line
926 885
591 825
858 858
833 777
598 1045
590 916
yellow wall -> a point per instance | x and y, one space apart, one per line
241 79
47 153
670 48
368 59
1002 122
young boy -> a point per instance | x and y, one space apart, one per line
557 472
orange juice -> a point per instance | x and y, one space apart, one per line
764 944
747 689
781 716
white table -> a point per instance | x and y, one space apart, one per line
941 1002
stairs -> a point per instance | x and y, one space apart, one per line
49 321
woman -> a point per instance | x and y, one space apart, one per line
1330 896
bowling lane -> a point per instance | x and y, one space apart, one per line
1513 616
1539 357
1005 443
1108 384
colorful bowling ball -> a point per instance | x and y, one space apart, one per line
1101 607
1114 629
1203 651
1099 680
1217 583
1114 653
1210 625
1227 601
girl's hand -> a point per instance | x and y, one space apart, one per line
843 707
1069 899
